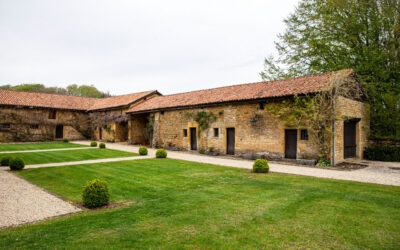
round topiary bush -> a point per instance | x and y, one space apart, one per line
261 166
17 164
102 145
65 140
5 161
93 144
143 151
95 194
161 153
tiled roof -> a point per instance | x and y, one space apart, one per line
19 98
250 91
118 101
43 100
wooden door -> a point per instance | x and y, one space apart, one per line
290 143
59 131
230 141
193 139
349 137
100 133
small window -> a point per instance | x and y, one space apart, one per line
162 112
34 126
304 135
52 114
216 132
261 105
5 125
185 133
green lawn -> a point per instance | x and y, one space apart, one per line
69 155
183 205
37 146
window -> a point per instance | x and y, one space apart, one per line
52 114
5 125
185 133
162 112
34 126
304 134
216 132
261 105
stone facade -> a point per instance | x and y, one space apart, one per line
25 124
256 131
350 109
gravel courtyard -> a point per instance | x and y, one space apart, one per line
22 202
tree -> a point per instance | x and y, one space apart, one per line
329 35
75 90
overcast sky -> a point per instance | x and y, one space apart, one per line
130 46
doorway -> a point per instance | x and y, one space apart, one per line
349 137
59 131
290 143
193 139
230 141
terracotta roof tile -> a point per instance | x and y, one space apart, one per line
43 100
117 101
250 91
19 98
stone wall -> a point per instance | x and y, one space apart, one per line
350 109
33 124
256 131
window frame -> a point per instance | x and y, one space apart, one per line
52 114
216 132
5 125
34 126
304 135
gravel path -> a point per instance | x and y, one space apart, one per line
377 172
22 202
86 162
42 150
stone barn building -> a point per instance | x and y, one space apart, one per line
236 120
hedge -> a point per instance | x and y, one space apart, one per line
382 153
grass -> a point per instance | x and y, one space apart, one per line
38 146
68 155
184 205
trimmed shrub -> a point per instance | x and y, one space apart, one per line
95 194
382 153
102 145
17 164
202 151
261 166
143 151
5 161
93 144
161 153
65 140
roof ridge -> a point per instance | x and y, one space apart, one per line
243 84
149 91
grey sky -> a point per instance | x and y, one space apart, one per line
130 46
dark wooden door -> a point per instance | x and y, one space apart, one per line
349 137
59 131
100 133
193 139
290 143
230 141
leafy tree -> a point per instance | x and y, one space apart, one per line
329 35
75 90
